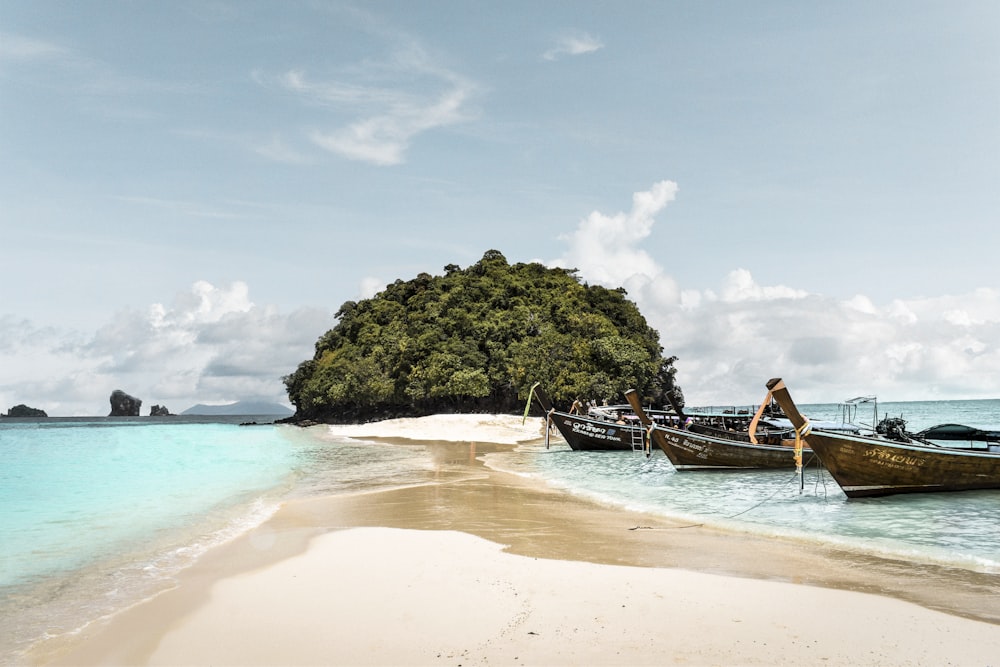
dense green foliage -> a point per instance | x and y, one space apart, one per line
476 340
23 410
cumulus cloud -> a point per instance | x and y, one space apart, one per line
212 344
730 340
573 45
607 249
740 286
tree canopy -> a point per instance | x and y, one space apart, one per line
475 340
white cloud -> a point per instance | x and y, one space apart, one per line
211 345
383 139
861 303
371 286
901 312
573 45
730 341
388 104
740 286
607 249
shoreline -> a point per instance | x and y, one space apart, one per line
501 524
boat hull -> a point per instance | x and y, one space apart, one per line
584 434
867 467
688 450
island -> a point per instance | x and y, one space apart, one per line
476 340
23 411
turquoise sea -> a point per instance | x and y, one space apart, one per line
99 513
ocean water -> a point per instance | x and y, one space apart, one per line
100 513
953 529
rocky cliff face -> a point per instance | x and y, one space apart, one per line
159 411
123 405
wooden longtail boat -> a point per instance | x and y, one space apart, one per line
607 429
867 466
696 446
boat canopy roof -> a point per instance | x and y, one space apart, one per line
958 432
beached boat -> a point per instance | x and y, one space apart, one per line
599 428
735 441
868 466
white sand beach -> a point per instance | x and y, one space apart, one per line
388 596
493 570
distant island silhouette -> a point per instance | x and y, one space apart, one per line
240 408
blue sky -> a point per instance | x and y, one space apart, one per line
189 190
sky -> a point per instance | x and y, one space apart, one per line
190 190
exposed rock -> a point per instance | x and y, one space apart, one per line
159 411
23 410
123 405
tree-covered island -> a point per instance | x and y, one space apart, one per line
476 340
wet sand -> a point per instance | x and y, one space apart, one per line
484 567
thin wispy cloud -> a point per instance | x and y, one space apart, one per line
378 108
383 139
573 45
276 149
77 72
186 208
21 48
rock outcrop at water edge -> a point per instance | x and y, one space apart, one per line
123 405
23 410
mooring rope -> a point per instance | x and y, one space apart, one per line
796 475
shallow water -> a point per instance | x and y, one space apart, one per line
949 529
956 529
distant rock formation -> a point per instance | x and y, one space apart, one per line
123 405
159 411
23 410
